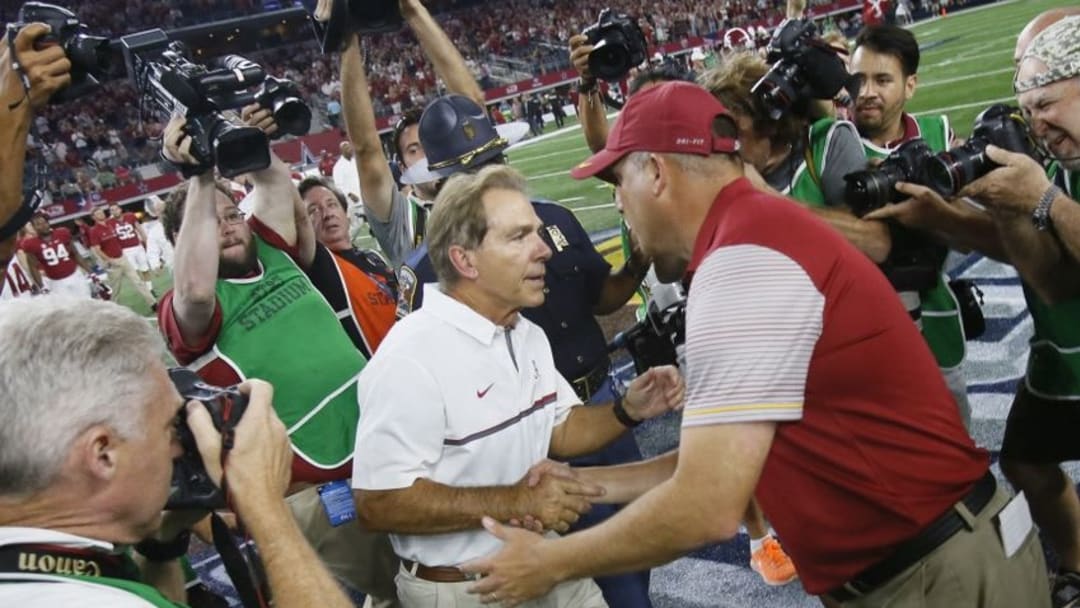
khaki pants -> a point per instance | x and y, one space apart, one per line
121 268
363 560
969 570
419 593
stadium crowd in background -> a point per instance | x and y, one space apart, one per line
408 398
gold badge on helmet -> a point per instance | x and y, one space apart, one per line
469 130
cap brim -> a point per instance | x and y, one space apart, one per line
597 165
420 173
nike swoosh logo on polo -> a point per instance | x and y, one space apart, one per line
480 394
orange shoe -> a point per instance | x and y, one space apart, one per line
773 564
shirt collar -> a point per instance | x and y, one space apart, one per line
911 131
457 314
16 535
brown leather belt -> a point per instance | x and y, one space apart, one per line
436 574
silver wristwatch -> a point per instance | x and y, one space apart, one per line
1041 215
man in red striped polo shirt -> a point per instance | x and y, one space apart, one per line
808 387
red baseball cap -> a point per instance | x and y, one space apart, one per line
674 117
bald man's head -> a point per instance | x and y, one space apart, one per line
1038 24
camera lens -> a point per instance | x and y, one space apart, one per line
867 190
292 116
239 149
609 60
950 171
91 53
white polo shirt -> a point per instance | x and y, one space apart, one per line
442 399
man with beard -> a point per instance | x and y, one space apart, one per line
397 221
250 311
887 59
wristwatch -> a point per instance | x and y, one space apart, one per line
1041 215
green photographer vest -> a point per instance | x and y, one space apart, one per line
279 328
941 325
806 184
1053 369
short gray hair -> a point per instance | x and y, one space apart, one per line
67 364
459 217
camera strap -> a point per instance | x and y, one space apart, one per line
241 563
60 560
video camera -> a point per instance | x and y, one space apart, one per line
655 340
618 45
348 17
804 67
1000 124
874 188
191 486
162 71
90 56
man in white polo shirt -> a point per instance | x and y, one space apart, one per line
462 399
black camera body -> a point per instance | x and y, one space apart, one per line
1000 124
90 56
655 339
191 486
618 45
162 71
349 17
874 188
804 67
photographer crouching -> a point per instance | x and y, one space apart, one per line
30 74
85 466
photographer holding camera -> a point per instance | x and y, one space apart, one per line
85 466
29 76
886 57
251 311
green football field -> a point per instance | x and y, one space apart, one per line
966 66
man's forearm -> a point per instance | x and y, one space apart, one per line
967 228
585 430
619 287
285 553
195 262
868 236
428 507
624 483
1065 216
653 530
14 129
273 196
376 181
440 50
1037 256
593 119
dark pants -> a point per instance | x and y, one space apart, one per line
620 590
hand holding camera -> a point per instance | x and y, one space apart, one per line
579 56
246 446
1014 186
47 70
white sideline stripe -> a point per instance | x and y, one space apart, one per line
967 59
935 83
526 159
571 199
547 175
974 104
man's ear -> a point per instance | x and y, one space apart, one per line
95 452
464 262
910 84
658 172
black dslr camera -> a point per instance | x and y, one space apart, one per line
804 67
618 45
162 71
1001 125
655 339
874 188
192 487
90 56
